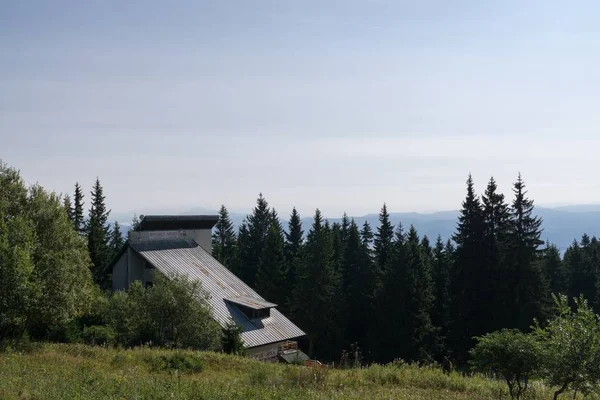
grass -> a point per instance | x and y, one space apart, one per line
55 371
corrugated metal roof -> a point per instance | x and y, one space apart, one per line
251 302
186 257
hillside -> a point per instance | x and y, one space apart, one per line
81 372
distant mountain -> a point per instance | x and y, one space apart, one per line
561 224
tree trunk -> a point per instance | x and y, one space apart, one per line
559 391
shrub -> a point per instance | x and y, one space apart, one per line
231 341
510 354
102 335
571 348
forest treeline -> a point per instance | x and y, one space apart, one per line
384 290
394 294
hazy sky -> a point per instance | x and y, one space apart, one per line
340 105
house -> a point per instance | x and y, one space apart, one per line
182 245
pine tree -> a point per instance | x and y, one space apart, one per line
358 281
68 206
495 272
468 298
294 239
440 274
316 286
554 270
251 245
224 239
389 310
383 239
78 219
98 233
420 338
367 236
271 279
116 239
579 271
531 293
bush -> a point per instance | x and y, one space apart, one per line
231 341
571 348
102 335
510 354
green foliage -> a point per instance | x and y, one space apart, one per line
172 313
271 278
231 340
116 241
383 239
224 240
98 234
43 263
78 217
510 354
100 335
317 283
571 348
294 238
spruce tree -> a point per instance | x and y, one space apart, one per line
554 270
251 245
440 274
530 290
78 218
316 286
495 271
224 239
367 236
271 279
383 239
68 206
420 336
116 239
294 239
468 297
359 281
579 271
389 310
98 233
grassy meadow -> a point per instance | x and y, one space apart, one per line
81 372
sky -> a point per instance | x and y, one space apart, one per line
341 105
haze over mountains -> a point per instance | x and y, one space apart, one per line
561 224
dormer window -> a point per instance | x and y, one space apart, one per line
252 308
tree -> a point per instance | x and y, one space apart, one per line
581 265
359 282
571 347
366 235
271 282
420 336
554 270
469 301
98 233
511 354
68 206
231 340
294 238
496 276
440 274
252 240
525 232
43 262
316 285
116 239
224 239
383 239
78 218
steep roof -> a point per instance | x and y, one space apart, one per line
186 257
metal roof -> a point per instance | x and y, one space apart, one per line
175 222
251 302
186 257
